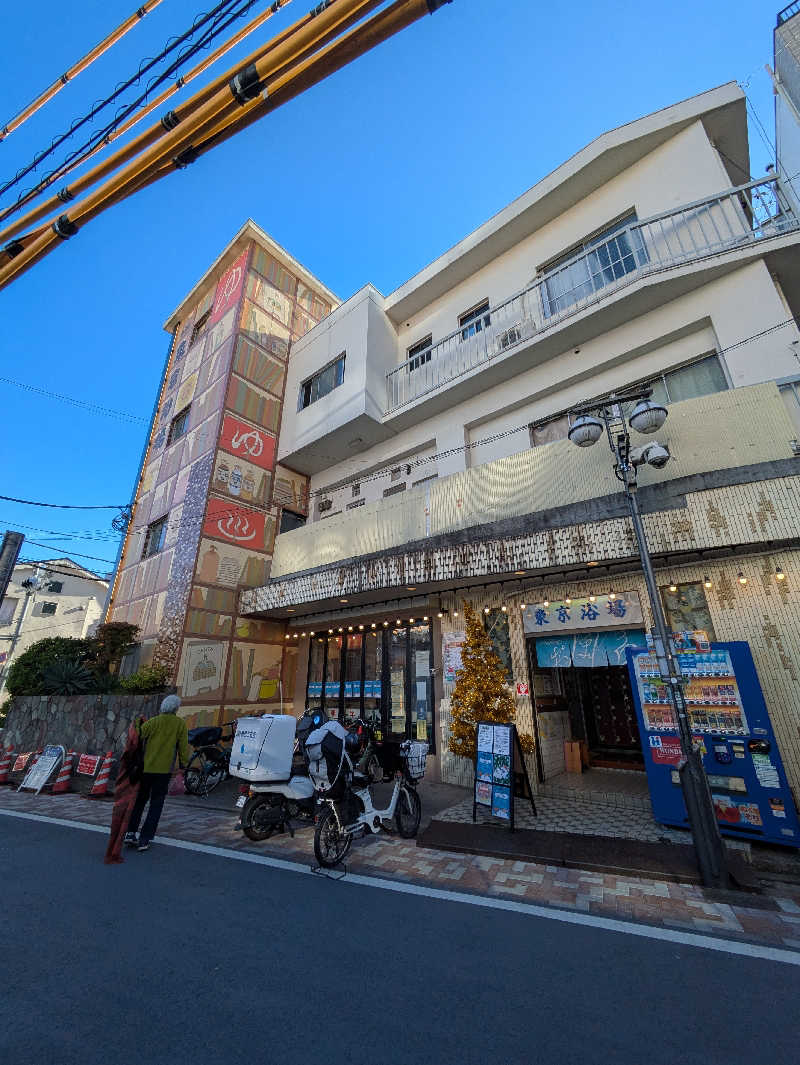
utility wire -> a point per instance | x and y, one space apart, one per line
94 408
45 547
65 506
100 534
94 145
62 572
144 67
77 68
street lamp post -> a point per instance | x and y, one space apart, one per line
588 422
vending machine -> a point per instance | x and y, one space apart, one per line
729 721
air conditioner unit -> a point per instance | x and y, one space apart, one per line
509 337
324 504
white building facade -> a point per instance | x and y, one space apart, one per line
56 597
432 423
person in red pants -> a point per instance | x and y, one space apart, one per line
162 736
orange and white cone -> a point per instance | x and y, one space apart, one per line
6 758
61 784
100 786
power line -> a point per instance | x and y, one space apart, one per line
61 572
65 506
100 534
94 408
78 68
144 66
45 547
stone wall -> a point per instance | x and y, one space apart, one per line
91 724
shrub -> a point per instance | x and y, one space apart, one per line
26 674
66 678
109 643
144 680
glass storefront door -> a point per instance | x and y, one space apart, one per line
383 675
352 678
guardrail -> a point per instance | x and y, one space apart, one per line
733 219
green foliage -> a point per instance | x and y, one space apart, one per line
4 712
26 674
481 692
147 679
66 678
109 643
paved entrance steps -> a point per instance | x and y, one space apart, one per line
604 854
624 788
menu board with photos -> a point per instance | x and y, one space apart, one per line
500 772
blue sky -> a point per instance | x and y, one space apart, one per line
367 177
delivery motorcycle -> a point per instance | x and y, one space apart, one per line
346 808
269 753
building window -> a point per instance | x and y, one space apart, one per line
393 491
474 321
8 608
180 423
598 261
420 353
55 586
49 608
355 503
356 489
199 326
702 377
290 520
156 534
322 383
790 393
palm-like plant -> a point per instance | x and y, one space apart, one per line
66 678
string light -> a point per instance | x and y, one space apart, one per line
612 596
672 586
411 621
592 598
455 613
546 603
425 618
523 606
349 628
385 624
372 626
706 582
779 574
741 579
440 614
288 636
361 628
486 610
568 600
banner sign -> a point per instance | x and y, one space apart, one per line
229 288
500 772
43 768
247 442
623 611
20 762
87 764
452 645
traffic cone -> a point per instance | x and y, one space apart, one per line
6 758
100 786
61 784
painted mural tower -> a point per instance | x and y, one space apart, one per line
211 497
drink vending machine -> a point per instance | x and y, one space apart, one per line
730 722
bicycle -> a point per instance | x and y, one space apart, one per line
210 763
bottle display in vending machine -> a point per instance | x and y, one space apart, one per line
731 726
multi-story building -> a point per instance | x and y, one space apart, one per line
56 597
211 497
786 80
408 452
440 471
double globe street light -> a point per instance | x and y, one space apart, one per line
588 423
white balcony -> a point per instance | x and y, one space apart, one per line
737 219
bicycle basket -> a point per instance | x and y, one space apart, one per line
415 755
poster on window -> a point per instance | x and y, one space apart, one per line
452 646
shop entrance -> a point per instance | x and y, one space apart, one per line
602 713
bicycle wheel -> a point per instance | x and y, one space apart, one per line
408 813
330 845
194 775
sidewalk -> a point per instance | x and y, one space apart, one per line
772 918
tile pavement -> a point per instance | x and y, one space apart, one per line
643 900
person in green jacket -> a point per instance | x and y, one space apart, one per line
162 737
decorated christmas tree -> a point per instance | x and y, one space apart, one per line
481 692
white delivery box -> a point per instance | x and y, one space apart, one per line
262 748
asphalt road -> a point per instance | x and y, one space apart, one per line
180 957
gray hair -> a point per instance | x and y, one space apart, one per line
170 704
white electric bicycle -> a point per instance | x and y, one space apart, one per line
347 810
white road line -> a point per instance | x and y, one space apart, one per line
609 924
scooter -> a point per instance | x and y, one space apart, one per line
284 791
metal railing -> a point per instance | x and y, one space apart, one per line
733 219
788 12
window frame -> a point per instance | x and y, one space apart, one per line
47 613
419 354
55 587
159 526
308 395
199 326
475 320
179 426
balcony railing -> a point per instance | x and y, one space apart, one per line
733 219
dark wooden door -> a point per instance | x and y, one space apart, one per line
609 711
